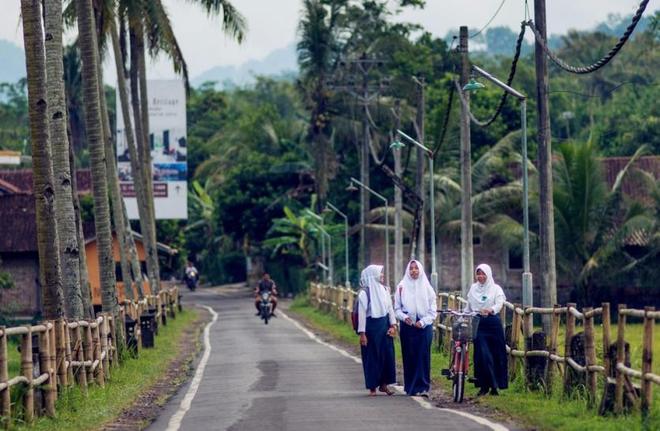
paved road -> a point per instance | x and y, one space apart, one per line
276 377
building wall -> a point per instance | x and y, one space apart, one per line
23 300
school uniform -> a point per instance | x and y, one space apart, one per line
375 316
490 358
415 298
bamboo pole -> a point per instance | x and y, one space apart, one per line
45 367
590 354
570 331
647 364
620 358
79 354
5 398
554 334
60 352
67 354
26 371
527 335
104 345
98 371
606 338
515 336
113 338
53 358
88 346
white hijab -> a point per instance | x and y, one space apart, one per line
415 294
380 301
481 294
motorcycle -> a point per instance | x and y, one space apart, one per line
191 280
265 307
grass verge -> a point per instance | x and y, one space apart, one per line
531 409
76 411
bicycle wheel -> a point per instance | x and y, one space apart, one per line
458 387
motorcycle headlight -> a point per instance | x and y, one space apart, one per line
264 296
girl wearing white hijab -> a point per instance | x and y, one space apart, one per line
415 307
376 329
490 363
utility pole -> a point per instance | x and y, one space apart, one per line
546 216
398 199
466 172
360 82
419 173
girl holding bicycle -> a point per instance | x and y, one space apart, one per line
490 361
415 307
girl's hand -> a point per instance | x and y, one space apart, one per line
486 311
408 321
392 331
419 324
363 339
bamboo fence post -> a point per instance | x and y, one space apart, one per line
5 396
88 346
98 371
606 339
45 367
647 364
26 371
590 353
67 354
554 334
113 337
60 352
570 331
79 354
53 357
104 345
527 344
503 317
620 358
515 318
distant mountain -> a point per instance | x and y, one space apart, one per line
12 61
281 62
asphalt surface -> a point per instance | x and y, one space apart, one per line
275 377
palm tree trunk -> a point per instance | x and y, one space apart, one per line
138 183
144 160
42 170
133 256
85 289
66 220
93 122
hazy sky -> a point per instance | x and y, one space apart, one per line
272 25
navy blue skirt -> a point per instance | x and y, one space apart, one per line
490 360
416 353
378 355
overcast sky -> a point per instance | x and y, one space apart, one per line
272 25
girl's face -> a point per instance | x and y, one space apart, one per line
414 271
481 277
382 277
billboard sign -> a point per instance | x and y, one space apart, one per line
169 151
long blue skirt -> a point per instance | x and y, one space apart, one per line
378 355
490 361
416 353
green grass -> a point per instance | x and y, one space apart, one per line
75 411
529 408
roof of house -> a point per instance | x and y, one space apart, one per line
631 185
21 180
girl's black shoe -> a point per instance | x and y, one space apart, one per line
493 391
483 391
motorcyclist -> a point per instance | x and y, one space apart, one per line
266 284
191 275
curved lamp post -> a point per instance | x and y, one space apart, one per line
327 263
352 187
345 217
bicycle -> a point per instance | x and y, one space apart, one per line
464 330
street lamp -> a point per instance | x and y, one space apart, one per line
352 187
527 275
328 261
335 209
429 154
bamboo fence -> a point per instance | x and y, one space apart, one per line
81 352
613 371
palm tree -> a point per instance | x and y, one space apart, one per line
318 51
47 238
69 247
93 124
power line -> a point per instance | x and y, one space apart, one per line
616 87
604 60
499 8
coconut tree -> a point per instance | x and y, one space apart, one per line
69 248
42 170
93 126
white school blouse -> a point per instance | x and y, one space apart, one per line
364 311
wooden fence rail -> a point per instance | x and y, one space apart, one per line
81 352
610 364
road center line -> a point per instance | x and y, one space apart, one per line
419 400
175 420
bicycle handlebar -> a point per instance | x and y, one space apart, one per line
458 313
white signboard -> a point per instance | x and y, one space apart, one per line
169 149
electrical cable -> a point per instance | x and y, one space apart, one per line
489 21
445 122
605 59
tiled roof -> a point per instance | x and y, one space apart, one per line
21 179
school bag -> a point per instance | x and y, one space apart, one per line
356 304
